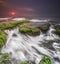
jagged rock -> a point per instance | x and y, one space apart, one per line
2 39
4 58
33 28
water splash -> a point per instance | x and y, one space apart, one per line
27 48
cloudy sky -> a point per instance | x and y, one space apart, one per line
30 8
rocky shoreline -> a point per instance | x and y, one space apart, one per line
24 27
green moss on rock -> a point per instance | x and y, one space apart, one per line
22 22
7 26
24 29
45 28
2 39
35 31
57 31
30 31
24 62
45 60
4 58
11 25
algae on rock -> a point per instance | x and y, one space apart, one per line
24 62
45 60
44 28
30 31
2 39
4 58
11 25
57 31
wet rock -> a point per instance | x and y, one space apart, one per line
4 58
14 35
34 28
57 26
30 31
24 62
2 39
36 24
31 62
57 31
11 25
45 60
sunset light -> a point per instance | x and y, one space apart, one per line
29 31
13 13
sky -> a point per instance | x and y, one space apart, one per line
30 8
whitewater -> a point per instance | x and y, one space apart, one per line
22 47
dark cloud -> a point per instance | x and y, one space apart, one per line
36 8
3 8
2 2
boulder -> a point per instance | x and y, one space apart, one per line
34 28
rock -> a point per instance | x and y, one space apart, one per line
14 35
34 28
11 25
56 26
2 39
24 62
45 60
29 31
36 24
57 31
4 58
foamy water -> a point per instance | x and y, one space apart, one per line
28 48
